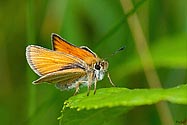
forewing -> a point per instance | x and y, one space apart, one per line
83 53
63 77
44 61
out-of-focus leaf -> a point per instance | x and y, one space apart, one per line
169 52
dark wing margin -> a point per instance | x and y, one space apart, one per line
56 37
88 49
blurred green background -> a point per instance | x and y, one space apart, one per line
102 26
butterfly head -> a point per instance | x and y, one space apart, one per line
100 68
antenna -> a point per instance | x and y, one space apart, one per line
114 53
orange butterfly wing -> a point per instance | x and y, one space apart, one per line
44 61
83 53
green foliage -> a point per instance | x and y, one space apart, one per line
110 100
169 52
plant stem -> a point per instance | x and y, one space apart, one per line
146 59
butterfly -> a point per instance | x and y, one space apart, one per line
66 65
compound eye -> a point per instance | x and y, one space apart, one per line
97 67
102 64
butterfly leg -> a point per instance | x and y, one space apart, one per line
108 75
89 87
95 86
89 83
90 80
77 88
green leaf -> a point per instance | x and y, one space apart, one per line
108 98
93 116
